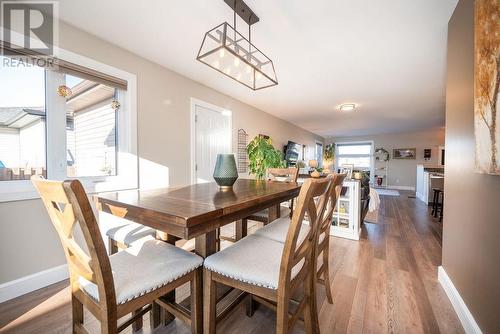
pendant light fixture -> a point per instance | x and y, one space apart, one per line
227 51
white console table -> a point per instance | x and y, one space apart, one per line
346 218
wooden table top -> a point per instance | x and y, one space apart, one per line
181 210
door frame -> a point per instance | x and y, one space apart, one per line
196 102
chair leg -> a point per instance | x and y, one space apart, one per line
209 303
109 324
137 325
113 246
282 316
441 208
326 276
155 316
308 322
197 302
77 310
434 202
251 306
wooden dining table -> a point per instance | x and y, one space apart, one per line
197 211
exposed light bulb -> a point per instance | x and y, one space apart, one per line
221 53
236 62
259 76
228 70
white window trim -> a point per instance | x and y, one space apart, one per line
316 142
372 160
127 176
196 102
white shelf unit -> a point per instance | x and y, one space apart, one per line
346 218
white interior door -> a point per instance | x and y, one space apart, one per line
212 136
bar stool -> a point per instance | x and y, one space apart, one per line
435 201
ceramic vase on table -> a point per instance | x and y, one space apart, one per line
225 172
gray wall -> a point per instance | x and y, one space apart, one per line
471 227
28 242
403 173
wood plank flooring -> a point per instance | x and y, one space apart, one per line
386 282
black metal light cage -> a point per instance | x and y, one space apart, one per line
225 50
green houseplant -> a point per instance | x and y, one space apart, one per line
263 155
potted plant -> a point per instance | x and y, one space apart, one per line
263 155
329 156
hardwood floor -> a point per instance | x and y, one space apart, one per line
386 282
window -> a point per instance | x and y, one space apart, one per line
74 121
90 128
357 154
22 122
318 153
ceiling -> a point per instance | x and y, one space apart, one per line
387 56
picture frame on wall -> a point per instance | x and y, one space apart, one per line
486 88
404 153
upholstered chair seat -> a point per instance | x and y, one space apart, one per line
278 229
123 231
254 260
145 267
263 214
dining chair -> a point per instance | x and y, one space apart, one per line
278 229
123 233
271 271
273 174
279 175
111 287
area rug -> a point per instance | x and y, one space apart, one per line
387 192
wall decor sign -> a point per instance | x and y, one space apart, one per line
404 153
486 86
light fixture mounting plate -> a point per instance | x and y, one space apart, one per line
243 11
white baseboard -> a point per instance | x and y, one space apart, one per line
23 285
463 313
401 187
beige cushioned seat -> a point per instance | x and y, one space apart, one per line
254 259
124 231
284 212
278 230
144 267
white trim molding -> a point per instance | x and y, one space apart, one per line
401 187
468 322
26 284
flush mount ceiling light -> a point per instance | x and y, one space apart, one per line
227 51
347 107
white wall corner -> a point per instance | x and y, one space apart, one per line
26 284
468 322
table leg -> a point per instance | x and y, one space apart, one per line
241 229
205 244
274 213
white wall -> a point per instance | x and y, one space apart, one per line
28 242
403 173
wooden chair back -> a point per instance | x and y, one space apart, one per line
312 200
67 204
335 189
291 174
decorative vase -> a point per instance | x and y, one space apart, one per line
225 172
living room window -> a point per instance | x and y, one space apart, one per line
66 122
357 154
